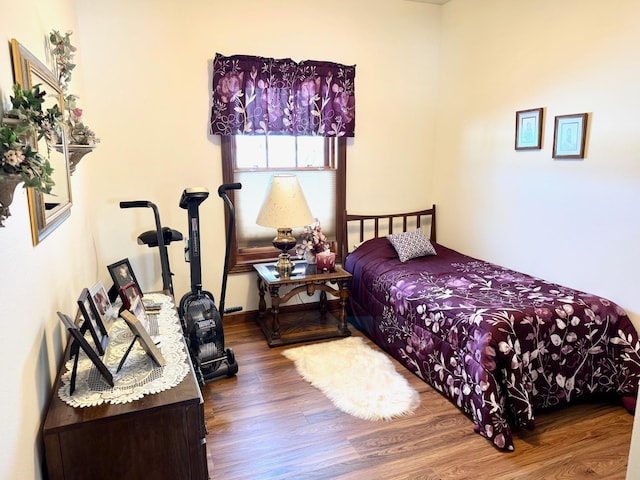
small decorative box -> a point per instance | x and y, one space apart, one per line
326 261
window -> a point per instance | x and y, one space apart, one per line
319 164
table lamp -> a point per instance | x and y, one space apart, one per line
284 204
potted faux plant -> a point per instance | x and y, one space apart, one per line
81 139
20 163
313 242
30 118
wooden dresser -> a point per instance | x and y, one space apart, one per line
160 437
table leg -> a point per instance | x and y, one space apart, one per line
323 302
344 295
275 311
262 305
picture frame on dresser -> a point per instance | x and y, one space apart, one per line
122 274
529 129
128 294
569 136
139 310
79 343
142 336
105 309
92 321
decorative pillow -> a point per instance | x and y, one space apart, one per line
356 245
411 244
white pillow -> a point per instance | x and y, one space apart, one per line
411 244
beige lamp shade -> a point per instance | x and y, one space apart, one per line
284 205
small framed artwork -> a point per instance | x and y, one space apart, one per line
92 321
79 340
529 129
128 294
122 274
138 309
141 334
103 305
569 136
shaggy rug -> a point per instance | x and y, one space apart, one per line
357 379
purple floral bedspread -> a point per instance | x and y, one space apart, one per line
499 344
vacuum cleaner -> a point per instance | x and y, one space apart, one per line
201 319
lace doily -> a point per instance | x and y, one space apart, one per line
139 375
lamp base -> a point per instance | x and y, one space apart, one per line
284 242
284 265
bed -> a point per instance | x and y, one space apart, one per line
499 344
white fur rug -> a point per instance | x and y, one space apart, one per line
359 380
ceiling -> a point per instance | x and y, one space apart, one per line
435 2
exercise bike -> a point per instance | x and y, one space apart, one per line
160 237
201 319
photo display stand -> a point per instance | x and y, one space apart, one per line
79 342
126 353
74 352
142 336
92 321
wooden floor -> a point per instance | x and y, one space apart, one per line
268 423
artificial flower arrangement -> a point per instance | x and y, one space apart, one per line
79 133
313 240
16 157
26 107
63 52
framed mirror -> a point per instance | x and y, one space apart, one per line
47 210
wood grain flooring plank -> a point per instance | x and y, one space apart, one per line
268 423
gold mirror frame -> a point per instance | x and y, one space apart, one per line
49 210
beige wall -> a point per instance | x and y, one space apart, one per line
574 222
149 99
143 75
35 282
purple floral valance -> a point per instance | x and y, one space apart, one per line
258 96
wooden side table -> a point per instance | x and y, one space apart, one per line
302 325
